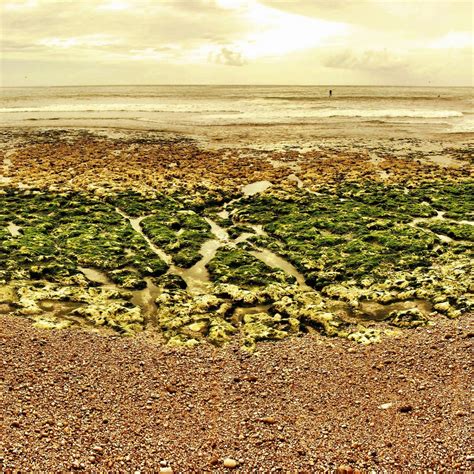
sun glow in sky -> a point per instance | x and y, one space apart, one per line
48 42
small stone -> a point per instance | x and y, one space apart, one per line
386 406
344 469
269 420
230 463
98 449
166 470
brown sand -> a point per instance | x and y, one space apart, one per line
78 400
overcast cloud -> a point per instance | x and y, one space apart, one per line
413 42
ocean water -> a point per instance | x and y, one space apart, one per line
444 110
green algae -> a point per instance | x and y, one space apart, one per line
454 230
179 233
353 243
236 266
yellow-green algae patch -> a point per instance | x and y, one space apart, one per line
369 257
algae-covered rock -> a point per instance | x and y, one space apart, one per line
238 267
409 318
261 327
127 279
7 294
181 340
365 335
220 331
123 317
50 322
326 323
171 282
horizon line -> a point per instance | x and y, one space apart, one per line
237 85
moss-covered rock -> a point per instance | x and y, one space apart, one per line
410 318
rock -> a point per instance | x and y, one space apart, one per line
230 463
270 420
344 469
410 318
385 406
166 470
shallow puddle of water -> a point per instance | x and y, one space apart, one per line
258 229
239 313
275 261
243 237
58 308
197 277
378 312
95 275
135 223
294 178
14 229
444 238
255 188
418 220
217 230
146 298
224 214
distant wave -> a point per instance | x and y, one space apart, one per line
241 111
389 113
300 98
163 108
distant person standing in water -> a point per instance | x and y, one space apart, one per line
330 92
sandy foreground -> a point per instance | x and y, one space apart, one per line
79 401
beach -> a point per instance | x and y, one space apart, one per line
261 279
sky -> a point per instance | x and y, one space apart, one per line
327 42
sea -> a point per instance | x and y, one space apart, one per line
349 110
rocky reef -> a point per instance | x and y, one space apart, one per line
194 262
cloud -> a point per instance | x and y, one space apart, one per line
228 57
79 41
276 40
371 60
454 39
402 18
